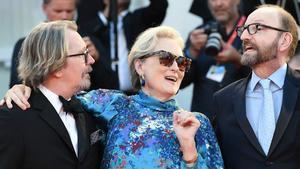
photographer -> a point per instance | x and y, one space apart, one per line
215 49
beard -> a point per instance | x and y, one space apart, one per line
259 54
86 80
86 83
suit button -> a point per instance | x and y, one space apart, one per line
269 163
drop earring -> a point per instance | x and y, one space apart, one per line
142 80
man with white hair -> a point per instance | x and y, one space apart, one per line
56 64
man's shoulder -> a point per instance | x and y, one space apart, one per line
294 75
231 88
5 109
17 112
93 26
20 41
12 116
17 46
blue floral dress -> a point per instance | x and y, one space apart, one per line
140 132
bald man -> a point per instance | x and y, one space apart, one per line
258 117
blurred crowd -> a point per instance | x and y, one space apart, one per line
109 30
242 62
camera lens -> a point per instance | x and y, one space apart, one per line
213 45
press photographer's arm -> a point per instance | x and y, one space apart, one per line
226 53
197 41
229 54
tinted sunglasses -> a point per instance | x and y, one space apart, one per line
167 59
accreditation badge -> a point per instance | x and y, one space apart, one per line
216 73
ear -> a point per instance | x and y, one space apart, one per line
58 73
138 65
285 41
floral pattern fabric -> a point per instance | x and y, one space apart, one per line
140 132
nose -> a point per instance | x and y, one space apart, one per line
245 35
65 15
218 3
174 66
90 60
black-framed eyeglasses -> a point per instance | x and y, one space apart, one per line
85 54
167 59
254 27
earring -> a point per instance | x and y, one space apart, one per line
142 80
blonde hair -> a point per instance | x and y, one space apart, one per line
288 23
146 43
44 51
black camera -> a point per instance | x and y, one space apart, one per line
215 32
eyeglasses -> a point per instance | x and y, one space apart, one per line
254 27
85 53
167 59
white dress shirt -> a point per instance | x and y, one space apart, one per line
123 67
67 118
255 96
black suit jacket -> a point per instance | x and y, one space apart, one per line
37 139
238 143
14 64
134 22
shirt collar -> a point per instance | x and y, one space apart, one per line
52 97
277 78
120 17
254 80
123 14
102 17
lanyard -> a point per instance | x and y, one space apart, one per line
234 34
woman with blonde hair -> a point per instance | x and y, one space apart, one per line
149 129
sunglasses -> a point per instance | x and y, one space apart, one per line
167 59
85 54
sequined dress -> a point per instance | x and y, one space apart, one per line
140 132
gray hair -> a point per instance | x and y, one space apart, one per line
44 51
146 43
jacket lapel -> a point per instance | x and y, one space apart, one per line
50 116
290 96
240 112
83 137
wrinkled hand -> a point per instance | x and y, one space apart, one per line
91 47
18 94
185 126
198 40
228 55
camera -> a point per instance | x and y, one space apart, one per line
214 31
